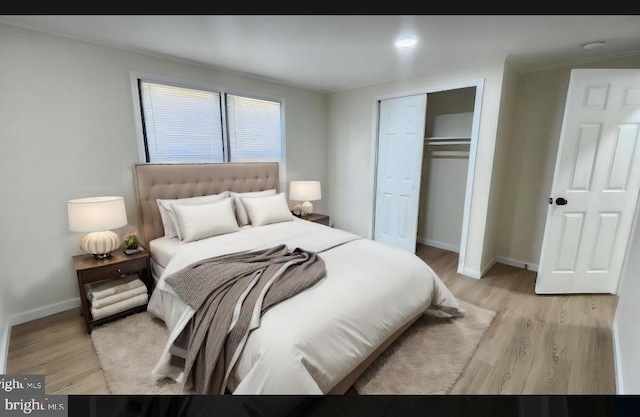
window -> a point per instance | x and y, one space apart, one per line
184 124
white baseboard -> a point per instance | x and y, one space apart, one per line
498 259
38 313
617 366
439 245
517 264
4 347
488 267
471 273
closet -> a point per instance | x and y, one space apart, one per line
425 151
445 162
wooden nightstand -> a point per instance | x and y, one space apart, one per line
89 269
317 218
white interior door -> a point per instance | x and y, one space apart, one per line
400 145
595 186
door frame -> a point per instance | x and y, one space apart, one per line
473 147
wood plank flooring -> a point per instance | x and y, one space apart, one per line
58 347
537 344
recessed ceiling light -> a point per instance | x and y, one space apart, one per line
593 45
406 42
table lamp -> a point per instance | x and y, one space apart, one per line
97 215
306 191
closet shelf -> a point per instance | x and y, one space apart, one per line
447 140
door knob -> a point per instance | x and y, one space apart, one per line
561 201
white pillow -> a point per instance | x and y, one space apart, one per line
168 216
241 212
267 210
198 221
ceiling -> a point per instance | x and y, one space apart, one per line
328 53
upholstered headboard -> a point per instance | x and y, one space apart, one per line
153 181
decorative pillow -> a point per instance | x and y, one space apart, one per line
168 216
198 221
267 210
241 212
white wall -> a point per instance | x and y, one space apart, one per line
443 187
498 177
67 131
351 139
625 325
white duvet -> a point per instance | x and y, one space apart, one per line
308 343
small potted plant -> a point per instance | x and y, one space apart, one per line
131 240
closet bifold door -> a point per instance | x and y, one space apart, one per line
399 166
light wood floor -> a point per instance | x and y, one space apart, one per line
537 344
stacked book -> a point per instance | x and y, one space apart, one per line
116 295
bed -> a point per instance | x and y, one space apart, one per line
316 342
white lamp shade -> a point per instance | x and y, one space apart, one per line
305 190
95 214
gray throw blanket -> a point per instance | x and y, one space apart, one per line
229 293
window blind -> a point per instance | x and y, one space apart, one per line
181 124
254 129
191 125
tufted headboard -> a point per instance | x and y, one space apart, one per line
153 181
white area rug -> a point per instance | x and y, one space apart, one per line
427 359
430 356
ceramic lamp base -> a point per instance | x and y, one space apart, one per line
307 208
100 244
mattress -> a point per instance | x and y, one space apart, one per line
163 248
310 342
